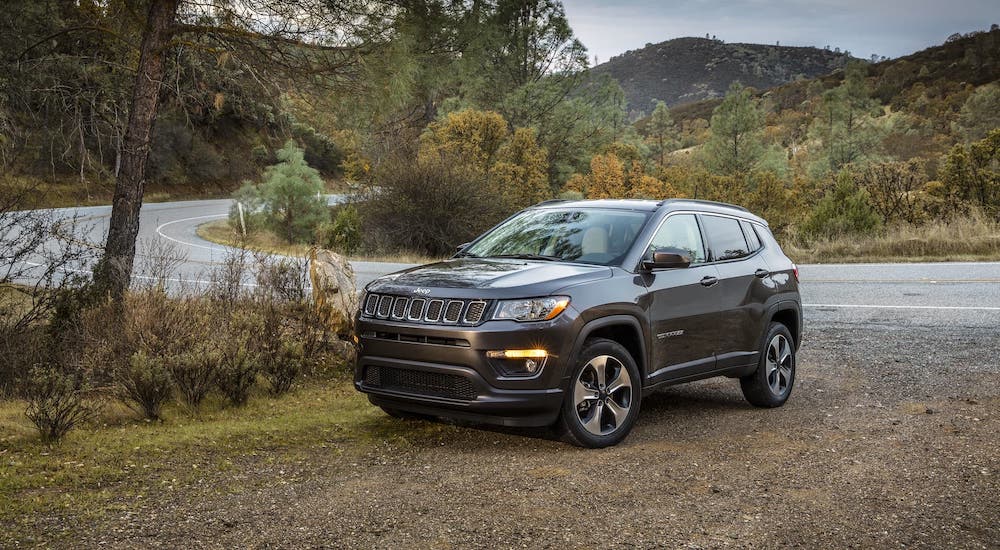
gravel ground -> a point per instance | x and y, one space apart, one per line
890 439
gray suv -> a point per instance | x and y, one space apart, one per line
568 312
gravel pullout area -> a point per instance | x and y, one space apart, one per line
890 439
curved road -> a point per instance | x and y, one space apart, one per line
900 295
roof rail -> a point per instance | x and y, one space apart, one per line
551 201
700 201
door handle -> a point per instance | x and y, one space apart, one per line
708 280
761 273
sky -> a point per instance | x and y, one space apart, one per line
864 27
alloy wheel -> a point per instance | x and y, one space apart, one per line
779 364
602 395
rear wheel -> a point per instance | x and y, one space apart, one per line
771 384
604 396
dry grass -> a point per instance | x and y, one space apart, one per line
973 238
220 232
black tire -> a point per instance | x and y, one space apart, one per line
615 405
771 384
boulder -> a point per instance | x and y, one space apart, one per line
335 290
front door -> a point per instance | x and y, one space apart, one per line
684 304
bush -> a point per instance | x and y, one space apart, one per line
844 210
429 207
145 384
55 401
237 373
343 233
239 358
283 365
194 372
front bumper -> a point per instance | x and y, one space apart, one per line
443 371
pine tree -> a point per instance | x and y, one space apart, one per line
736 143
292 195
662 131
845 126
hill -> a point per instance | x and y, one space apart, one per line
684 70
930 85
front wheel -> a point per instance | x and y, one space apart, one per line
604 396
771 384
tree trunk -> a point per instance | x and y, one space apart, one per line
115 270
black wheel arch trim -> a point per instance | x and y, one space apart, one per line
611 320
787 305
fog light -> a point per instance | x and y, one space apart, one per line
517 354
518 362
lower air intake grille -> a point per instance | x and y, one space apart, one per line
449 386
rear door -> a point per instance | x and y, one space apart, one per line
744 284
683 303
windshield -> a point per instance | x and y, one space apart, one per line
585 235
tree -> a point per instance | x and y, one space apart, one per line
607 178
296 38
980 113
661 130
290 196
893 188
845 126
844 210
521 170
115 270
971 176
737 126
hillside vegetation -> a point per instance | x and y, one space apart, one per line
685 70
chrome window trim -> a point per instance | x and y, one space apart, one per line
704 236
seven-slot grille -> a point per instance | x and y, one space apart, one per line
424 310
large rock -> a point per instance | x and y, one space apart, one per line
334 289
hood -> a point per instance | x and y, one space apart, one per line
488 278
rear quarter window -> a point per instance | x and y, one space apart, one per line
753 240
725 238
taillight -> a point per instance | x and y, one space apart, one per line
795 271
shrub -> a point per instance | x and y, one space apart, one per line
343 233
291 194
239 358
237 373
55 401
283 365
844 210
194 372
429 207
145 384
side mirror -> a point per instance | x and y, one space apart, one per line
668 258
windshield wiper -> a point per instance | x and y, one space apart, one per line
466 255
528 257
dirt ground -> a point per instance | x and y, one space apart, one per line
890 439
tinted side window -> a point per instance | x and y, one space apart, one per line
679 231
752 239
725 238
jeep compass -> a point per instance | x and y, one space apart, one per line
568 312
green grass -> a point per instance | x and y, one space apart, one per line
99 468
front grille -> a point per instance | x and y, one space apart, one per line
434 310
453 311
475 312
371 305
424 310
416 309
436 384
384 306
399 307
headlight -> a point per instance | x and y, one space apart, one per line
531 309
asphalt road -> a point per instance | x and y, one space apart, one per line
925 294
